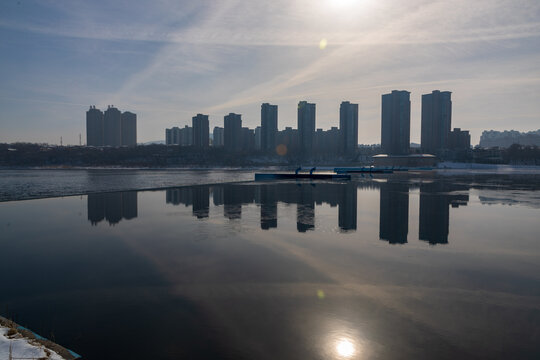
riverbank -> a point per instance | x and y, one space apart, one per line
18 342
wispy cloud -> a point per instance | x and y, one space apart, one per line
186 57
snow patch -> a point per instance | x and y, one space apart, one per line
23 348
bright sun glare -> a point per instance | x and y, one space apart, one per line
342 3
345 348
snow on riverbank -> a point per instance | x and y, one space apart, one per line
453 168
22 347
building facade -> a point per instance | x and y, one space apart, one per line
94 127
436 121
396 122
248 139
201 131
112 127
269 127
306 127
218 135
459 139
258 139
129 129
233 132
348 127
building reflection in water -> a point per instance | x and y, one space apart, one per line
434 217
201 201
347 205
305 208
268 201
305 195
197 197
394 212
435 199
112 207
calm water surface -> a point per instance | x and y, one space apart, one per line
397 267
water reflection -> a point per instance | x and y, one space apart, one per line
434 217
267 196
345 348
435 201
217 279
305 195
112 207
394 213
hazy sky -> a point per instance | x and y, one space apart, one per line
168 60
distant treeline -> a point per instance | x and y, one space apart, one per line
157 155
515 154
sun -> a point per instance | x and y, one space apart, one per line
341 4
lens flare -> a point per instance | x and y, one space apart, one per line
281 149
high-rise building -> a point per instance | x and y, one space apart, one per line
112 127
327 143
218 137
168 137
179 136
306 127
94 127
233 132
269 127
201 132
175 135
396 123
129 129
186 136
248 139
436 121
348 127
287 141
258 138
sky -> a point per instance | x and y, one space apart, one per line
169 60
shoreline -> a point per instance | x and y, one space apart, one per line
34 340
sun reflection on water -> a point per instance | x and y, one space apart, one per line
345 348
343 341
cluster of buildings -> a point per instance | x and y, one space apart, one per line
437 137
116 128
504 139
306 139
110 128
436 134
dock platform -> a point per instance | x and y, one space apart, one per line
362 170
288 176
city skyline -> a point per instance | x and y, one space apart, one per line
59 57
395 128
